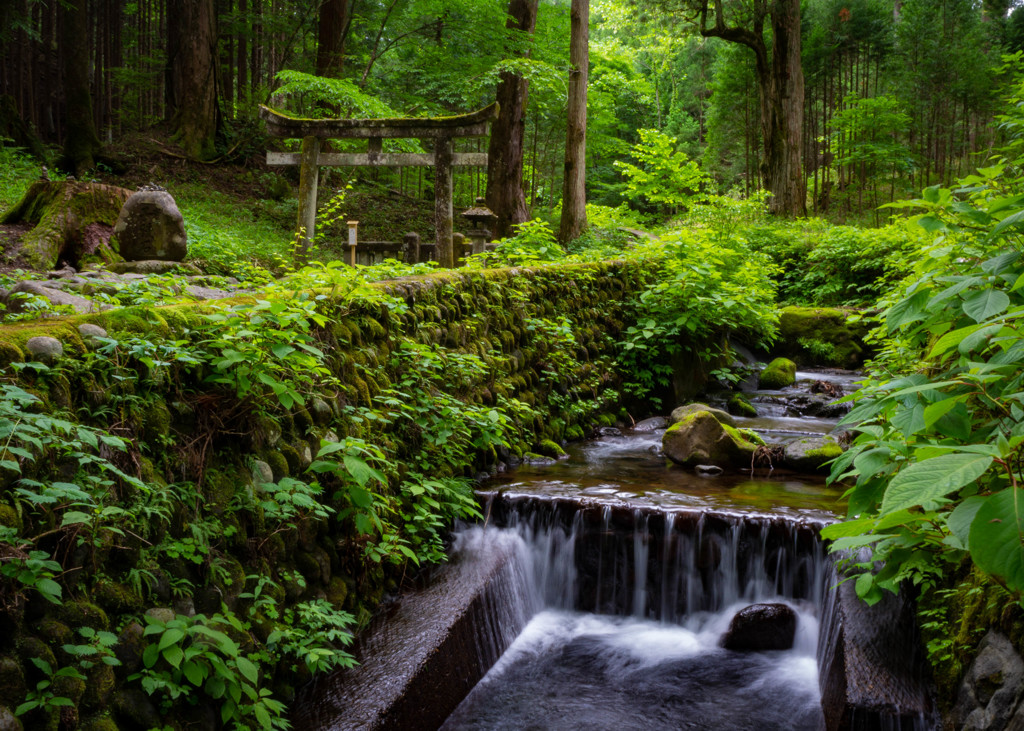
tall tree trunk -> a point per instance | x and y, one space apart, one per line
193 59
81 141
782 115
574 194
780 80
332 32
505 153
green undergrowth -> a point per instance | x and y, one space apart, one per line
935 467
224 493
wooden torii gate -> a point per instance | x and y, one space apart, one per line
443 130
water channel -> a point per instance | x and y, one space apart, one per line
624 572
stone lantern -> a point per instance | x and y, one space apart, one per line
480 217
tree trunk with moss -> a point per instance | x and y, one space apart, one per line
72 224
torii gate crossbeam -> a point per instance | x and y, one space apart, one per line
443 130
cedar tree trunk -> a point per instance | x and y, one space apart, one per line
505 153
193 60
780 81
81 142
331 33
574 194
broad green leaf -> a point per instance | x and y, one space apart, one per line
847 528
956 424
871 461
360 497
979 338
1014 219
996 536
171 637
906 311
360 471
173 655
959 521
193 672
248 669
985 304
932 479
935 411
909 421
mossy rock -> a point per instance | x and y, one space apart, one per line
98 723
53 632
116 598
811 454
701 439
780 373
738 405
9 518
820 336
681 412
99 686
12 682
79 613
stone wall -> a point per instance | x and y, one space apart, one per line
545 337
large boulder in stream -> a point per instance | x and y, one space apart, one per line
811 454
780 373
761 627
820 336
681 412
700 438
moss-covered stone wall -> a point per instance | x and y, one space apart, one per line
543 340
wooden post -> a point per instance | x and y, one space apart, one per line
412 247
309 175
443 213
353 239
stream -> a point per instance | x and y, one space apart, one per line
634 570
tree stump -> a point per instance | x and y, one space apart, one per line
72 222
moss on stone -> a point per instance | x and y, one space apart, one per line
10 518
292 458
116 598
80 613
738 405
820 336
549 448
828 451
98 723
12 682
279 463
780 373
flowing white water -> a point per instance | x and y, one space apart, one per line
667 586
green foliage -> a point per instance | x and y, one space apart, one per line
533 243
710 283
265 351
98 647
937 462
193 658
17 169
664 177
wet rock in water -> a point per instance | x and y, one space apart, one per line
817 405
989 695
739 406
708 470
780 373
811 453
828 388
701 439
761 627
681 412
652 424
608 431
150 226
